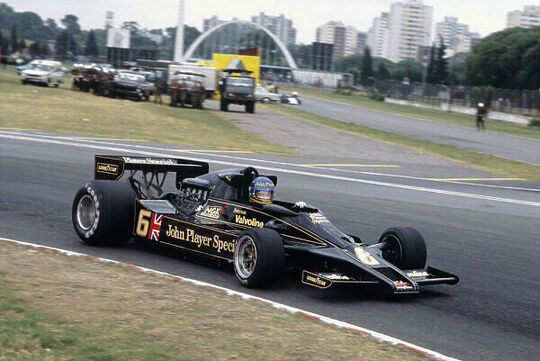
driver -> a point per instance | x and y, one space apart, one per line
261 191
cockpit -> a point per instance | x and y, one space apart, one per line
230 184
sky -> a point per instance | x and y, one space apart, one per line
482 16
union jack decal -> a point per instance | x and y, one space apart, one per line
155 227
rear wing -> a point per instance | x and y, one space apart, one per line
113 167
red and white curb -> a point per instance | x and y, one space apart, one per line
331 321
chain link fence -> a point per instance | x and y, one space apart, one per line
525 102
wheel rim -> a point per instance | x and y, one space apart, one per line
86 212
245 256
391 249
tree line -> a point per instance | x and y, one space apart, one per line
68 39
508 59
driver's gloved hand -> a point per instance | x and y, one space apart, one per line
300 204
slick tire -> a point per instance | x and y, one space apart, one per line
404 247
102 212
259 257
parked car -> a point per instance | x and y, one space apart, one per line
20 68
44 72
132 84
264 96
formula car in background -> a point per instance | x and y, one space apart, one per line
290 98
209 214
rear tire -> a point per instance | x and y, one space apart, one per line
250 107
405 247
102 212
259 257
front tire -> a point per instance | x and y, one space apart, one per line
404 247
102 212
258 257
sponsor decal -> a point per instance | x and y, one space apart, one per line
315 280
264 184
318 217
164 161
211 212
252 222
336 276
107 168
416 274
365 257
401 285
155 227
198 240
239 211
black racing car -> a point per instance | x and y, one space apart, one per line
210 214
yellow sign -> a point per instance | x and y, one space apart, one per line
221 61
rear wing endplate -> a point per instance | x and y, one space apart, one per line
112 167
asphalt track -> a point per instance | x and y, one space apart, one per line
488 235
502 145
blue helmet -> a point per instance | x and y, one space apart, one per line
262 190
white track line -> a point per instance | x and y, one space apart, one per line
245 159
126 148
331 321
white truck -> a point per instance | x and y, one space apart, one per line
209 80
46 72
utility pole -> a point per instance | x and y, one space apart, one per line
179 43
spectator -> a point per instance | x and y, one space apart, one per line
158 89
481 113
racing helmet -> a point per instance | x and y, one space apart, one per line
481 105
261 190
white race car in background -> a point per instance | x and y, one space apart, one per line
291 98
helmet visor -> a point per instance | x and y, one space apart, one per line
264 195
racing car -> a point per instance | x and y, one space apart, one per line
209 213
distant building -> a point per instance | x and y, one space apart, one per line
377 36
342 37
409 26
211 22
456 36
224 41
157 38
529 17
321 56
280 26
424 54
361 42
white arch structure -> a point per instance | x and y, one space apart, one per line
200 39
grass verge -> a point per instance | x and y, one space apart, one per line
483 161
64 110
55 307
420 113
